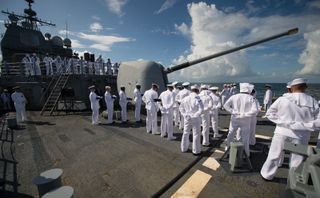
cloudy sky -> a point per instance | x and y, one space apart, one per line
174 31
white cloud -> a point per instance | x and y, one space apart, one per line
115 6
310 57
213 31
184 29
103 42
96 27
76 44
270 55
166 5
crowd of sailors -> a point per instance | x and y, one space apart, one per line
62 65
195 108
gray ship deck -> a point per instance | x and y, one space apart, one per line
125 161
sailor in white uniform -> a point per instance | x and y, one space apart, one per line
28 65
166 108
109 99
191 108
94 101
19 102
180 96
58 63
99 65
137 98
123 104
48 63
242 107
295 115
205 116
109 65
224 94
253 121
176 113
214 113
267 99
150 99
36 64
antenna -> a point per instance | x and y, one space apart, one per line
66 28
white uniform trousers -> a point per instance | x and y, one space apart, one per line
123 112
110 113
205 117
20 112
214 122
223 100
253 125
194 125
151 121
181 124
318 142
167 125
270 166
95 116
242 125
137 111
176 116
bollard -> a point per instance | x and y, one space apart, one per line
48 181
61 192
236 152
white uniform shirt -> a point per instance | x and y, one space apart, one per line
206 100
137 95
122 98
18 98
94 100
182 94
108 99
241 105
267 97
175 93
167 101
292 113
216 102
191 106
148 99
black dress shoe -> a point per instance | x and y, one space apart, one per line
196 154
267 180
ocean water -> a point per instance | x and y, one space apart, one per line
278 89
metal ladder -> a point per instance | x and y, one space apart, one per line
52 101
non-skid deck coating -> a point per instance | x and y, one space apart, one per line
124 161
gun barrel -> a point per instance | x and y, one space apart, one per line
190 63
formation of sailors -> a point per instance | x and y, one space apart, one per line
295 114
74 65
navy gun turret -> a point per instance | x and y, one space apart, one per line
147 72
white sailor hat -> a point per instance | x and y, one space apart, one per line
245 87
138 84
169 85
250 87
107 87
203 86
92 87
154 84
267 85
195 86
122 86
185 84
174 83
214 88
288 85
298 81
16 87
